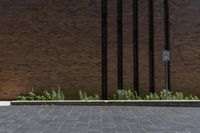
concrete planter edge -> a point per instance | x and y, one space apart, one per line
161 103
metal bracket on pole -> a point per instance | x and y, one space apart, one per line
166 55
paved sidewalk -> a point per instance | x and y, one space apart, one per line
93 119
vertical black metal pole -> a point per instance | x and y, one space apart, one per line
166 53
119 44
151 47
135 47
104 48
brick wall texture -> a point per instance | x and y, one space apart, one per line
45 43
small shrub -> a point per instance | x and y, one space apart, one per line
84 96
126 95
191 97
30 96
59 95
152 96
164 95
178 96
167 95
46 95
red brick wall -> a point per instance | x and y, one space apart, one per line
44 43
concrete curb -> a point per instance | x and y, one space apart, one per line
156 103
5 103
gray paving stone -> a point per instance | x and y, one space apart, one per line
52 128
81 126
109 130
94 131
98 119
95 116
94 125
65 129
83 118
21 130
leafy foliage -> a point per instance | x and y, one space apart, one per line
152 96
164 95
85 96
126 95
46 95
59 95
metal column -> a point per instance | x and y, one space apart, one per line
151 47
135 47
119 45
166 52
104 48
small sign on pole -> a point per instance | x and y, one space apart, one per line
166 55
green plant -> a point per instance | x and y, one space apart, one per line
59 95
152 96
46 95
167 95
178 96
30 96
191 97
164 95
84 96
126 95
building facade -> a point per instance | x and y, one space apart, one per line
45 43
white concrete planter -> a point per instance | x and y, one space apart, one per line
4 103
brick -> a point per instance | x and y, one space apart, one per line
46 43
